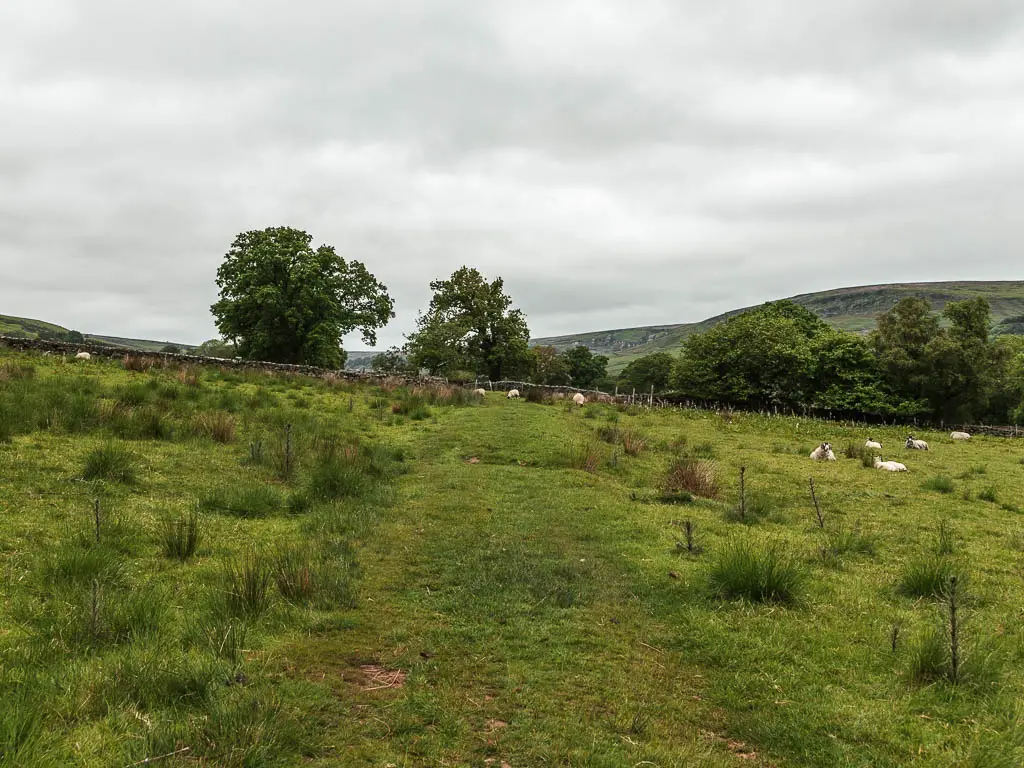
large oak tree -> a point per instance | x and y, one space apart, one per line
284 301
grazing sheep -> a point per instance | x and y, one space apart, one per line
873 444
823 453
889 466
480 392
579 398
916 445
959 436
83 356
512 393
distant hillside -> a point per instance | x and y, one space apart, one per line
34 329
851 309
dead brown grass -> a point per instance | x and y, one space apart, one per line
694 476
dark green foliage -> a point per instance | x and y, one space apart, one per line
534 395
391 362
244 499
649 371
586 370
759 574
283 301
547 366
216 348
180 536
113 462
470 326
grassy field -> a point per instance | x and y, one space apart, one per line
289 571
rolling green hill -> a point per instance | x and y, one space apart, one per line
851 309
26 328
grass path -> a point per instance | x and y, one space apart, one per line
518 623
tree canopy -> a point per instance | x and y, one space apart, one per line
586 370
653 370
470 326
283 301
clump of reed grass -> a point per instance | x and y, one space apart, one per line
112 462
247 499
760 574
693 476
180 536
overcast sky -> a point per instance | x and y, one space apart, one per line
618 163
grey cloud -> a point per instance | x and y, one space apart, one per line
619 165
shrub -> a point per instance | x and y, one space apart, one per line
867 459
244 500
926 576
745 571
246 585
939 484
181 536
111 462
693 476
989 494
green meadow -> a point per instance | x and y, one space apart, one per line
205 567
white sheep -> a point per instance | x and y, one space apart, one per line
873 444
579 398
480 392
889 466
915 444
959 436
512 393
83 356
823 453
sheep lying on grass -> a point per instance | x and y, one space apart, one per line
823 453
916 445
579 398
512 393
873 444
480 392
959 436
889 466
83 356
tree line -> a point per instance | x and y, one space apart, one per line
283 300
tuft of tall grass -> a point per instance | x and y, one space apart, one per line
314 577
584 455
246 585
989 494
927 576
928 659
939 484
693 476
111 461
759 574
216 425
338 477
244 500
180 536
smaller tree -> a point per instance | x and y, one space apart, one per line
76 337
390 362
653 370
171 349
585 368
216 348
471 326
548 367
